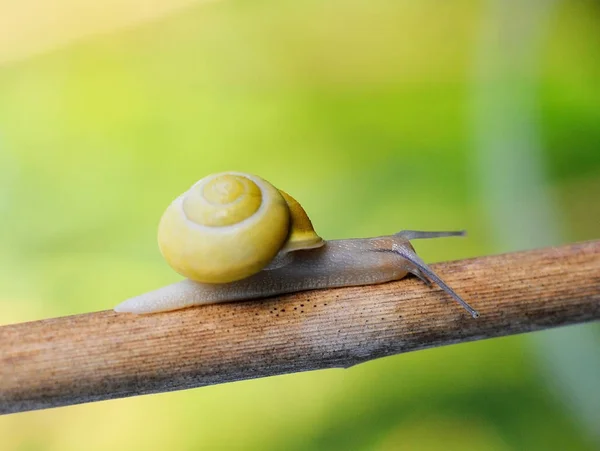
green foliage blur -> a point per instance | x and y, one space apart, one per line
370 114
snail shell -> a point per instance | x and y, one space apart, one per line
231 225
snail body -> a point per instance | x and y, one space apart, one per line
236 237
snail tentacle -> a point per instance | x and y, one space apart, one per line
406 252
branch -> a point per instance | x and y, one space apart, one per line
105 355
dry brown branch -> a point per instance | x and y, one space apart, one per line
105 355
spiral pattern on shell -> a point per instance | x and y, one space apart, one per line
226 227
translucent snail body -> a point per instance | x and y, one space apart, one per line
235 237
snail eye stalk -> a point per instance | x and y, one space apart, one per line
420 268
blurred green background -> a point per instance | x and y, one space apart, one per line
378 115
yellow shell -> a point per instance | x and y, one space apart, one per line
302 234
230 225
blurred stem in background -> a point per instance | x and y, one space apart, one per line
510 162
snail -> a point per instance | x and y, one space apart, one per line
234 236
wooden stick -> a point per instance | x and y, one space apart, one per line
106 355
